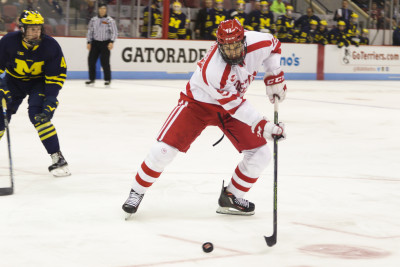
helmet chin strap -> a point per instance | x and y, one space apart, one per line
32 42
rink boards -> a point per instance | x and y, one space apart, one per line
176 59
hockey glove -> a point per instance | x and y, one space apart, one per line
49 107
268 130
4 92
275 85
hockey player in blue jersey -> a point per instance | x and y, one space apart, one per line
177 22
32 64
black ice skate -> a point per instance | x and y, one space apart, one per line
107 83
229 204
89 83
59 168
132 203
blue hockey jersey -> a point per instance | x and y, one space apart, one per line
44 61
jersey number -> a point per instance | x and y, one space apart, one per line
63 64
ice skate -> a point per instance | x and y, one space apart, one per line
132 203
89 83
229 204
107 84
59 168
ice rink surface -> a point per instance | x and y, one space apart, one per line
338 185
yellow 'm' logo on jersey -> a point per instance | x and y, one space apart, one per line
23 69
174 22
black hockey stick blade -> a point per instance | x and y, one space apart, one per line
6 191
271 240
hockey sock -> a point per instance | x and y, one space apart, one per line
159 157
248 170
240 183
48 136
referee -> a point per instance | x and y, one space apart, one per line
102 32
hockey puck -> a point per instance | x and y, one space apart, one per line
208 247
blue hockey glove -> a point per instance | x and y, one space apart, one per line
49 107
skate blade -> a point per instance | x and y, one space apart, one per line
231 211
61 172
127 216
90 85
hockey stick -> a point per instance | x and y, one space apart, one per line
271 240
7 190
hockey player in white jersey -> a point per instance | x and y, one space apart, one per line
215 96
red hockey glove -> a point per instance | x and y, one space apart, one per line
275 85
268 130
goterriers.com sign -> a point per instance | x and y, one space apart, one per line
371 56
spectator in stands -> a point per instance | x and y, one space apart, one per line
322 33
254 14
177 21
307 34
353 34
217 15
285 26
263 19
14 26
56 6
90 9
154 25
343 13
337 36
375 16
203 21
396 36
239 14
364 39
304 21
2 25
278 7
388 22
189 33
102 32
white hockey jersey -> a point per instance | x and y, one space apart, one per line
216 82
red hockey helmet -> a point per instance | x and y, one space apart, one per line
231 41
230 31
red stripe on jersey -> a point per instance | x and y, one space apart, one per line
244 177
149 171
188 91
224 101
203 71
258 45
174 111
238 186
277 49
142 182
225 76
232 111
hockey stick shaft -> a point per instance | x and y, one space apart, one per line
7 190
271 240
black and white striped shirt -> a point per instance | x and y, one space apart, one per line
102 29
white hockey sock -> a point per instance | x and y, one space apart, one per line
240 183
248 170
159 157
